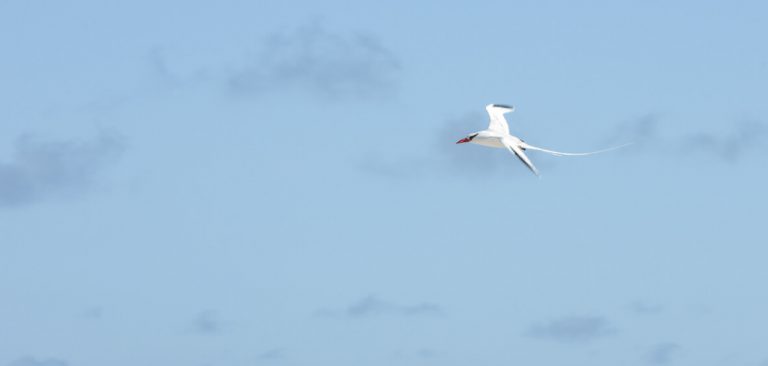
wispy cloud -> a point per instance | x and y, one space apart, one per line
328 64
573 329
31 361
173 68
420 354
644 308
272 354
96 312
206 322
730 146
662 353
371 306
42 169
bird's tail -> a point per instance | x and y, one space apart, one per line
559 153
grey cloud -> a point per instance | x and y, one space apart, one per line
574 329
662 353
93 313
42 169
158 62
643 308
371 306
173 68
31 361
272 354
745 137
327 64
206 322
639 131
414 355
646 133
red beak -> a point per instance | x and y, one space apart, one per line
466 139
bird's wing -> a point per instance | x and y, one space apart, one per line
558 153
517 151
498 122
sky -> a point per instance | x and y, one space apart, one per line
277 183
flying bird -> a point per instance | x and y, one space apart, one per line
497 135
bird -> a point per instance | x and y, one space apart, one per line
497 135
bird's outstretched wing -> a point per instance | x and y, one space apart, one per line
558 153
498 122
517 151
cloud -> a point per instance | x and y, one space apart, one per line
93 313
662 353
31 361
643 308
574 329
730 146
324 63
414 355
272 354
174 68
372 306
206 322
43 169
159 66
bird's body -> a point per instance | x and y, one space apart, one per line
491 139
497 135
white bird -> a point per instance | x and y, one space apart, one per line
497 135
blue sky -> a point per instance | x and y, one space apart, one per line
263 183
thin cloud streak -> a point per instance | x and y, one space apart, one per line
420 354
272 354
643 308
372 306
175 69
574 329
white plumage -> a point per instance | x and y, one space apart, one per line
497 135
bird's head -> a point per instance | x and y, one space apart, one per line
468 138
